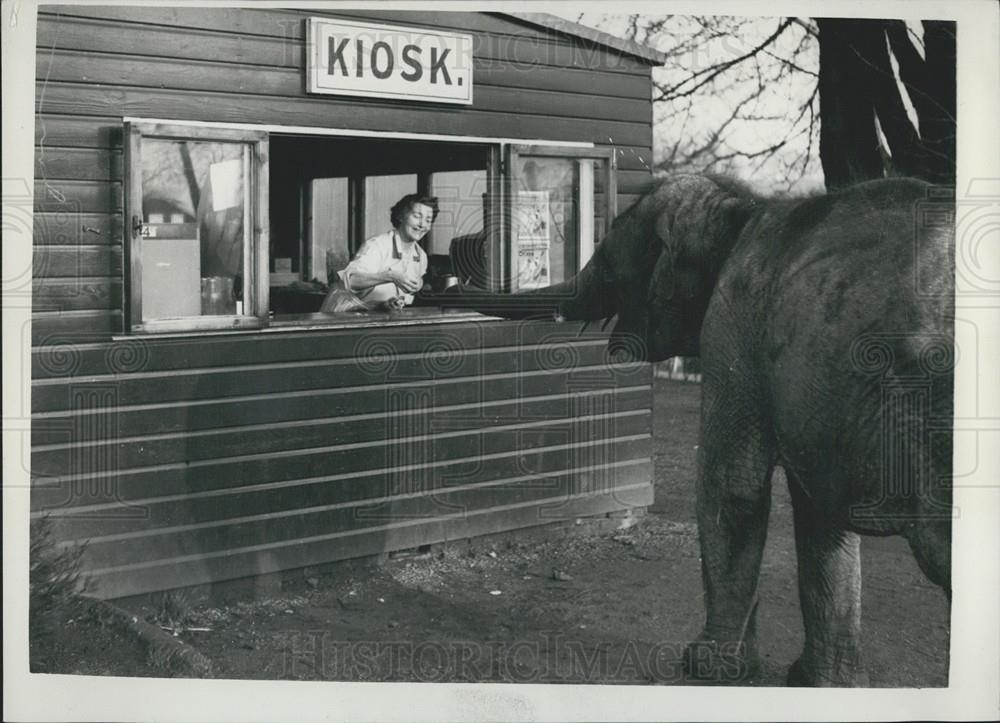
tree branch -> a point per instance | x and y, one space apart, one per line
715 71
790 64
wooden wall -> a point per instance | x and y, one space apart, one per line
187 460
181 462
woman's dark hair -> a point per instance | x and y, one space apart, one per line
403 206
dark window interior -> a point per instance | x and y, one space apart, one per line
328 194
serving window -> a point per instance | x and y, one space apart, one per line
245 229
331 193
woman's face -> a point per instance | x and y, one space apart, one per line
416 222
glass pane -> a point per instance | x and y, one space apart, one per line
194 205
461 207
329 244
381 193
555 217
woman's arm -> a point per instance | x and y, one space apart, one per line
370 267
359 280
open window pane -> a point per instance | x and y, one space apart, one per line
559 211
193 200
194 207
545 232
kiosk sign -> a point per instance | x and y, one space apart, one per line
388 61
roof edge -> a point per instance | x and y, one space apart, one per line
554 22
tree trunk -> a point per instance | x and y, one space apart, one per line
848 141
937 126
860 93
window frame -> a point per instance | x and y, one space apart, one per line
511 184
256 228
501 182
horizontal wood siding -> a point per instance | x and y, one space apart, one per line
97 64
190 460
182 462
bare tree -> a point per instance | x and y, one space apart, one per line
791 102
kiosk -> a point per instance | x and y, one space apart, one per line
201 175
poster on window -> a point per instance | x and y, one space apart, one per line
531 221
531 218
532 267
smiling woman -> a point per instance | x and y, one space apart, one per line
389 268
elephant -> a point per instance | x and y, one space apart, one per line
824 326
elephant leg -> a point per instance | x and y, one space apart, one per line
930 541
930 534
733 504
829 569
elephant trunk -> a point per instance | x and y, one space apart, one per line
581 298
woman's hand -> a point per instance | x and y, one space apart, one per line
394 304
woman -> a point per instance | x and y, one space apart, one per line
389 268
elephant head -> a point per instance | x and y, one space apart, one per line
654 273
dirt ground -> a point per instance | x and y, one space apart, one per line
564 606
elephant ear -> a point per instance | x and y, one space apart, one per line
663 282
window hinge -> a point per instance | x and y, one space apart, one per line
139 229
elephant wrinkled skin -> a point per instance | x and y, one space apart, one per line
825 331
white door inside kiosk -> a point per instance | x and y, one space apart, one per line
381 193
329 227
